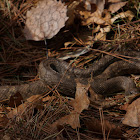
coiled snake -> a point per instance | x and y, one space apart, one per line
109 76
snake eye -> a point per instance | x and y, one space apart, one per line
54 67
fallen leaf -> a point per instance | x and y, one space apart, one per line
128 14
80 103
100 5
124 107
114 7
15 100
90 18
3 117
71 12
45 99
113 1
3 120
90 5
21 109
132 117
72 119
93 95
95 125
100 36
45 20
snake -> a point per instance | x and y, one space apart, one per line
110 74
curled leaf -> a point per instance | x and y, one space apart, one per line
132 117
80 103
128 14
45 20
114 7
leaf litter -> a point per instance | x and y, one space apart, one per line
49 116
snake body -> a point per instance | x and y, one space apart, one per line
109 75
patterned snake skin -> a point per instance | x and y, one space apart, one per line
109 74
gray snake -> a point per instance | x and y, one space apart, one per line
108 74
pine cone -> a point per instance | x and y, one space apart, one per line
45 20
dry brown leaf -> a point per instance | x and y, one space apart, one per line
96 17
45 99
3 121
132 117
90 18
71 119
95 125
71 12
93 15
99 4
96 29
113 1
102 34
128 14
80 103
107 17
124 107
20 110
15 100
114 7
94 96
45 20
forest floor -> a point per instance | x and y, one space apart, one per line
116 28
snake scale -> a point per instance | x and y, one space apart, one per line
109 74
